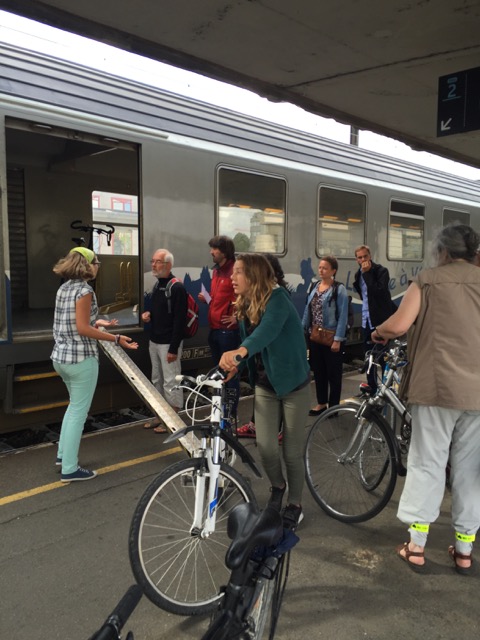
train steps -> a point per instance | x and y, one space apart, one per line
33 387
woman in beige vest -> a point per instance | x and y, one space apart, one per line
442 311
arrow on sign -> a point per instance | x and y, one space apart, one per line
445 126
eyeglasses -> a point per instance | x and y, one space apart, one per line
158 261
97 262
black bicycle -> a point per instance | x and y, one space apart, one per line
259 558
112 627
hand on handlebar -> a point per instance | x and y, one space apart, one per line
230 359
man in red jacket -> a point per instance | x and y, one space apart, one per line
224 334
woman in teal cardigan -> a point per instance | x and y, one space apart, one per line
274 346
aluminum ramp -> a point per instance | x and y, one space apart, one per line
149 394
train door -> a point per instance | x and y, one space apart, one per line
4 263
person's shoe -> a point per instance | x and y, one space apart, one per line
58 462
247 431
79 474
316 412
292 516
276 498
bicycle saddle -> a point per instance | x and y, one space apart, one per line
249 528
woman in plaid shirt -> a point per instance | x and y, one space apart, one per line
75 354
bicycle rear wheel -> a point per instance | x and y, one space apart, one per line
178 569
350 464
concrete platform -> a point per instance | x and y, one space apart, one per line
64 561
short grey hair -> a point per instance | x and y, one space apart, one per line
168 255
455 242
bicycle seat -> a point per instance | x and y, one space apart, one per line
248 528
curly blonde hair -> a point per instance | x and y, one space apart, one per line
74 266
261 282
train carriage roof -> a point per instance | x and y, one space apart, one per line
372 64
44 79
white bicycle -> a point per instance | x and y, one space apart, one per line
178 535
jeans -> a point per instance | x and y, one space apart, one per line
221 340
81 380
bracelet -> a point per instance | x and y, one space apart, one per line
117 339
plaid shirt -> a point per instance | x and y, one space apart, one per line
70 347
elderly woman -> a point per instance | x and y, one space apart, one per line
273 343
75 353
443 309
327 308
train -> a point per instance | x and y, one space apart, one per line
95 159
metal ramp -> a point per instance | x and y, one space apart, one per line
149 394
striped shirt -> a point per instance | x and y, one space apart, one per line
70 347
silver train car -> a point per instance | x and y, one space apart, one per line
91 158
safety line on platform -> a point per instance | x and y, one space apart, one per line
114 467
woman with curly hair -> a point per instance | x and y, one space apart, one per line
274 347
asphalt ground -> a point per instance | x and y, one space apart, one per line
64 560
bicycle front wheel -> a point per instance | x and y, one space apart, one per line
179 569
350 464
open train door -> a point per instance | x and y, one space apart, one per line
5 311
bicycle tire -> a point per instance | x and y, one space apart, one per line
260 611
335 479
180 571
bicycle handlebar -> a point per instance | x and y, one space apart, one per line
111 628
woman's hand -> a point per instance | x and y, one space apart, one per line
229 321
228 359
377 338
106 323
335 346
127 343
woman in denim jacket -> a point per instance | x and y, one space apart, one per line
325 311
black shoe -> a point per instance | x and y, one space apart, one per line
316 412
292 516
276 498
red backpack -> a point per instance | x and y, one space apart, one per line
191 321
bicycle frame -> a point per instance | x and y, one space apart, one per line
212 448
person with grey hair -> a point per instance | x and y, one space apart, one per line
168 310
441 311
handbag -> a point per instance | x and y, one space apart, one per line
323 336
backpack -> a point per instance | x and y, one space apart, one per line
191 320
350 319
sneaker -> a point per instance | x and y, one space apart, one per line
292 516
276 498
247 431
58 462
79 474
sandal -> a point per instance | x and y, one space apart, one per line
160 429
454 554
418 568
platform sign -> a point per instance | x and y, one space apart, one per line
458 102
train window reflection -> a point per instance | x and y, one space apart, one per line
121 211
341 221
251 210
405 231
451 216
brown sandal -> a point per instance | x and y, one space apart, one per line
418 568
160 429
454 554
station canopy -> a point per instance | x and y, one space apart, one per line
374 65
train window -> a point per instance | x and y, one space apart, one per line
341 221
251 210
451 216
121 211
405 231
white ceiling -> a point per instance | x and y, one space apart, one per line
372 64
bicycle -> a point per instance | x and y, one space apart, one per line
353 455
178 535
113 625
259 558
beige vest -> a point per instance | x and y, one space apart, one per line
444 342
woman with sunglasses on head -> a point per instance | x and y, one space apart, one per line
75 353
274 346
